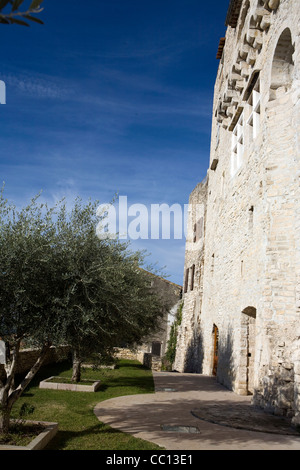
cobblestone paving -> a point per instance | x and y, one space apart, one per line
245 416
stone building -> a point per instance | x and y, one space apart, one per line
152 349
241 314
171 293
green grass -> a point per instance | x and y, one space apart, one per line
79 428
21 434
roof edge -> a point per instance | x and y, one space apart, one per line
233 13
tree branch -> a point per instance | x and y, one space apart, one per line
20 389
17 16
11 372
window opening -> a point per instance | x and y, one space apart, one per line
212 264
186 282
238 145
254 112
251 218
193 277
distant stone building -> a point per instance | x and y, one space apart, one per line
171 294
153 348
241 314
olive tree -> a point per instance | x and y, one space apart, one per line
9 12
29 293
61 284
107 299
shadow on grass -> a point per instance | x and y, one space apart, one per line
44 373
133 365
109 378
62 438
97 437
142 383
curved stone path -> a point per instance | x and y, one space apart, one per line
243 416
194 412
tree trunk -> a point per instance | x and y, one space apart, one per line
8 395
76 376
3 376
4 418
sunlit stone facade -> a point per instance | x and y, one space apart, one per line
241 314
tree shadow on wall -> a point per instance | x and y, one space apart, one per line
226 369
222 356
195 353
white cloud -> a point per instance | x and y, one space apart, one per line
39 87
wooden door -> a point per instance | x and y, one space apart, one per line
216 349
156 348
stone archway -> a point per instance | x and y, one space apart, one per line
283 64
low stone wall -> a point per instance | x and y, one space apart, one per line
28 357
148 360
152 362
124 353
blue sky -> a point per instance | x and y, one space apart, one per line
111 97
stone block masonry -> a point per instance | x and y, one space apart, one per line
28 357
241 312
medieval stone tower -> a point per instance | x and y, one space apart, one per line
241 314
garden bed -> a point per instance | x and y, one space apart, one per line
61 383
37 433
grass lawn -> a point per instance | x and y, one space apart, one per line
79 428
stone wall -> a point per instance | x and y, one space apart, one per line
152 362
188 340
125 353
170 294
28 357
147 359
243 313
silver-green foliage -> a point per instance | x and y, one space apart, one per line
61 284
9 12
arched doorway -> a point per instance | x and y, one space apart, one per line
215 349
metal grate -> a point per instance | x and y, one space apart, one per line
180 429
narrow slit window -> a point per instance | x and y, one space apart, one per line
186 281
212 268
193 277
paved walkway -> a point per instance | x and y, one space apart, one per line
194 412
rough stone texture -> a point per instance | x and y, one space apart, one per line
125 353
152 362
189 337
28 357
247 263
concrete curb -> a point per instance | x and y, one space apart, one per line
45 384
39 442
